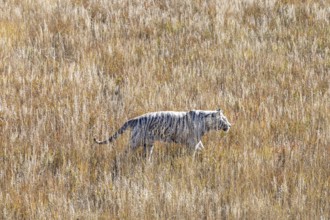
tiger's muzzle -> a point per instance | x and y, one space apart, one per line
227 127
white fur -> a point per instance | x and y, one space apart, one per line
185 128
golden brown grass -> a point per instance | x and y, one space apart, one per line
72 70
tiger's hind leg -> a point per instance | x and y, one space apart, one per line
147 151
133 145
139 139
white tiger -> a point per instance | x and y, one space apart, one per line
185 128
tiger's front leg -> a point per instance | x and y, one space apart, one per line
197 147
194 146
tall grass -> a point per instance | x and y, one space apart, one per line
72 70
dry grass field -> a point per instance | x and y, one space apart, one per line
72 70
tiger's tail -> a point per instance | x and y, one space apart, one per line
115 136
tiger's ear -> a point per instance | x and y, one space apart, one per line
219 111
192 112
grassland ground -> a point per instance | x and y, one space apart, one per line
73 70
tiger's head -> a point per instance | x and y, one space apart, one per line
217 120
